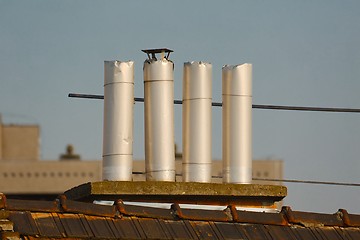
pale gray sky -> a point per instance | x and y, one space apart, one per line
304 53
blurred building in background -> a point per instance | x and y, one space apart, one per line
22 172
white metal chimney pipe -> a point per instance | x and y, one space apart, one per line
237 123
197 99
159 120
118 120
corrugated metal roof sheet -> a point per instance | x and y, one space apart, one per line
64 218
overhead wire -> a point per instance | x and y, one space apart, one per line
309 182
256 106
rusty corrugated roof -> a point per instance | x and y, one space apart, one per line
65 218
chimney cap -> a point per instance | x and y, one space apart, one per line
157 50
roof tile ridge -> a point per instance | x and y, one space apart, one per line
2 201
202 214
233 213
32 205
70 206
350 220
259 217
311 219
143 211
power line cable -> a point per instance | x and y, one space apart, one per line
256 106
309 182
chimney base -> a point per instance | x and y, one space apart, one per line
240 195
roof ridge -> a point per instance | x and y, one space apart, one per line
119 209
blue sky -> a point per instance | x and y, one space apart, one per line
304 53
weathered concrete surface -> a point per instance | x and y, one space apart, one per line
180 192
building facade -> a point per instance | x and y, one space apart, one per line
22 171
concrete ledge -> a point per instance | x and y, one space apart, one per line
180 192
